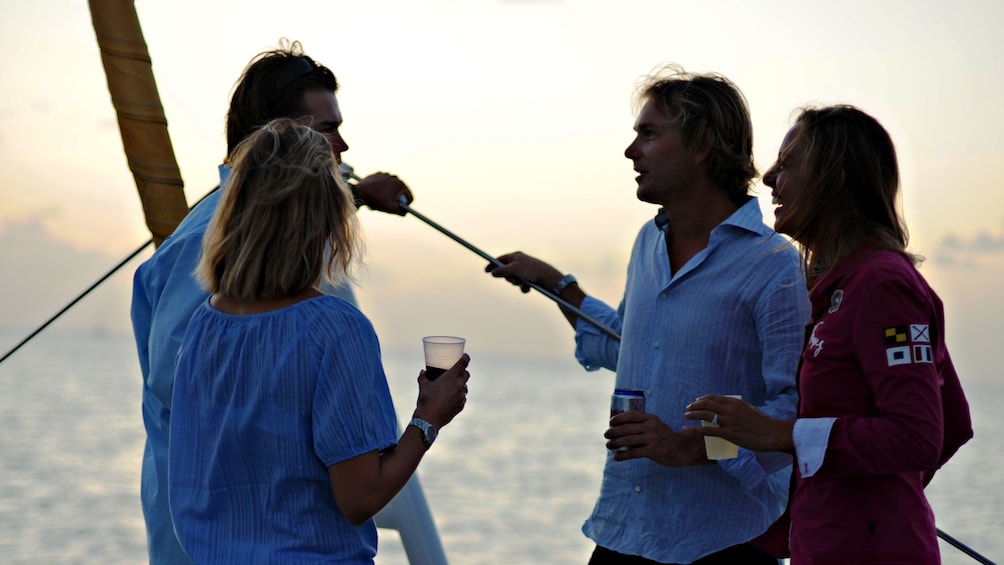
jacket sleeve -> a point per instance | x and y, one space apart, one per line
958 423
904 429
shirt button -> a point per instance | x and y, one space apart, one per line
637 489
663 296
655 345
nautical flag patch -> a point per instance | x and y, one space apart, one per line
896 335
919 333
910 343
898 355
922 354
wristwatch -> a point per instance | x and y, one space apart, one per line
564 282
429 432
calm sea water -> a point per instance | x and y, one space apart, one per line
509 481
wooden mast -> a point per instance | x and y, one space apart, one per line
141 119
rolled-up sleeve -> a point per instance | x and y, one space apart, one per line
595 349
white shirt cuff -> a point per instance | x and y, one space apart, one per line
811 436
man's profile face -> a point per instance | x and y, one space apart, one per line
662 160
326 118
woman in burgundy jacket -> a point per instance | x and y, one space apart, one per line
881 407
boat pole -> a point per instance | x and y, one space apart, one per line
561 302
963 547
347 171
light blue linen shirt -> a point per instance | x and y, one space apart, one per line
165 294
262 405
729 321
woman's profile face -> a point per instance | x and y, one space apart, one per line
786 178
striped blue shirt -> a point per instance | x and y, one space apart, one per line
729 321
262 405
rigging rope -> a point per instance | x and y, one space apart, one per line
79 297
91 288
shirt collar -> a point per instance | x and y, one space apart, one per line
747 217
224 175
853 260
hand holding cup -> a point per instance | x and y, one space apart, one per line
718 447
442 387
739 422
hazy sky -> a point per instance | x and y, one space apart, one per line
508 119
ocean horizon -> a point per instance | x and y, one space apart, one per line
510 480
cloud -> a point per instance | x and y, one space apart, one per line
42 273
983 242
967 252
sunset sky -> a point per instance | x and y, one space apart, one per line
508 119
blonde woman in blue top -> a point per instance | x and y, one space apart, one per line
284 437
277 83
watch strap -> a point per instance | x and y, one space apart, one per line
429 432
563 283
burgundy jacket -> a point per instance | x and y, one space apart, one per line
876 360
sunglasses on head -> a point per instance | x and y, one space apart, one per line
296 68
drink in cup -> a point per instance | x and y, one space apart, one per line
716 447
441 353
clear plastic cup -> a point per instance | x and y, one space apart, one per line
441 353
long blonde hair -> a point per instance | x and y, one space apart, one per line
286 218
853 179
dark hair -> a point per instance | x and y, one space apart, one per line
272 86
852 175
710 110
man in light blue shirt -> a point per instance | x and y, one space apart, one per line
278 83
714 302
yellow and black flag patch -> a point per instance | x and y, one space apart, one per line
897 335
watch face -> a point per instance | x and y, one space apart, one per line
429 432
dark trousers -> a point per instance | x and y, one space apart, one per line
742 554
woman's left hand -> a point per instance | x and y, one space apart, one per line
739 422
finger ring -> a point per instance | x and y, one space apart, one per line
714 421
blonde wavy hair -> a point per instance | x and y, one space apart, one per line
710 110
285 219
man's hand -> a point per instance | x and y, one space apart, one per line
383 191
647 436
519 267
